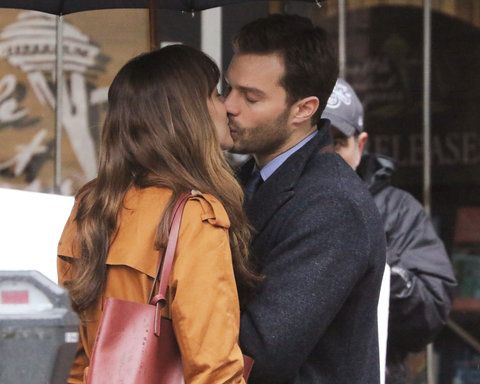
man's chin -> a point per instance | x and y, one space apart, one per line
236 146
226 148
238 149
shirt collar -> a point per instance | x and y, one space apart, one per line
269 168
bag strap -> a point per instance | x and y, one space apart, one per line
165 266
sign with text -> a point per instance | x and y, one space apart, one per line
385 67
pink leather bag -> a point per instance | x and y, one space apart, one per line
134 344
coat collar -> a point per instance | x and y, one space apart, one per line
279 188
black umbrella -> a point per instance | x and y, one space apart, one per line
64 7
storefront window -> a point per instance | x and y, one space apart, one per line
95 47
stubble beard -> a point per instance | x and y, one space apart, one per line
263 139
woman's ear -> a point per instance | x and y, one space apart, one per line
304 109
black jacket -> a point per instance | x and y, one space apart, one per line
422 281
320 243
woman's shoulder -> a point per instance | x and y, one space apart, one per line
143 208
203 206
208 208
147 197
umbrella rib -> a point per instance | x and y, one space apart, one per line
61 8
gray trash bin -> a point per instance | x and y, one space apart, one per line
38 329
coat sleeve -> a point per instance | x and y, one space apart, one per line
205 307
309 274
66 254
422 279
76 376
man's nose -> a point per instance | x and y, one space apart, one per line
231 104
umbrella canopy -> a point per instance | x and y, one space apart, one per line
64 7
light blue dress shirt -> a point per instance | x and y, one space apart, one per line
274 164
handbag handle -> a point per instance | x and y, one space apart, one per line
165 266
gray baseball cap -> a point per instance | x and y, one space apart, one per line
344 109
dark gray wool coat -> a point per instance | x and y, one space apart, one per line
321 245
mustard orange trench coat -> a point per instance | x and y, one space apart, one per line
204 304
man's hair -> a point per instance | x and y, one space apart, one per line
311 67
339 138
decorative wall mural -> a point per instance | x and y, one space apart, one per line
27 93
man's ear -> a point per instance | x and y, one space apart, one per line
362 141
304 109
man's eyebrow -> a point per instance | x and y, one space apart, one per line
245 89
253 90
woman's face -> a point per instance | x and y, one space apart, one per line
218 114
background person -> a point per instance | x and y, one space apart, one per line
165 126
422 280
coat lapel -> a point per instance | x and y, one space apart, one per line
278 189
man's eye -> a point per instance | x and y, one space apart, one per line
250 100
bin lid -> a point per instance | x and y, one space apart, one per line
29 294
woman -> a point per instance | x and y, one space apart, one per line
163 135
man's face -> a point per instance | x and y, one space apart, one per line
349 152
257 104
349 148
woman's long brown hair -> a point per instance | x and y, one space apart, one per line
157 132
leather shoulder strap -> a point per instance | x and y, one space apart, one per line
165 267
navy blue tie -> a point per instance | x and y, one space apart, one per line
253 184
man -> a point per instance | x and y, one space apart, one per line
320 247
422 279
